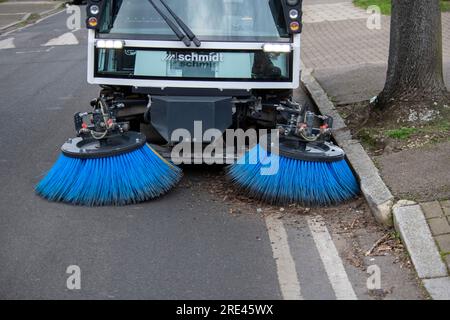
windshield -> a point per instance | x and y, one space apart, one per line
252 20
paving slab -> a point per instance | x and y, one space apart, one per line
439 226
333 44
443 242
320 12
348 58
432 209
438 288
446 208
410 222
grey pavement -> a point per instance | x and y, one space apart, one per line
14 11
348 58
6 20
403 172
183 245
437 214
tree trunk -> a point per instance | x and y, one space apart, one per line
415 72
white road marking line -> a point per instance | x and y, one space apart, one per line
35 51
287 274
65 39
330 259
7 43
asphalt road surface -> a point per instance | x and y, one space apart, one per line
201 241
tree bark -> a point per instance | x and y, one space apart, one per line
415 55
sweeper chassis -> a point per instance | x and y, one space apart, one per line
120 112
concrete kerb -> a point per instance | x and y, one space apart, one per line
375 191
58 7
438 288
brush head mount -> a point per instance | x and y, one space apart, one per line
314 151
90 148
319 151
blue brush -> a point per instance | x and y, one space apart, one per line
125 178
310 183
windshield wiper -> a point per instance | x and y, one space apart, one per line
172 25
183 26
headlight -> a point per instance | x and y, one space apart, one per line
94 9
293 14
109 44
294 26
276 47
92 22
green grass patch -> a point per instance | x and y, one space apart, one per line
385 5
437 130
402 133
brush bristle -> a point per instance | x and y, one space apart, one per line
304 182
123 179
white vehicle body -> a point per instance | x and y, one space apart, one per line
219 46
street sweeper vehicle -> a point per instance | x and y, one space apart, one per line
171 68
